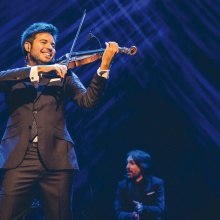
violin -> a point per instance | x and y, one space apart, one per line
76 59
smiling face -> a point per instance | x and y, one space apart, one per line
133 171
41 50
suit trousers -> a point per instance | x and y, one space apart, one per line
19 185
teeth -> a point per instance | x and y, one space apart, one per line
46 53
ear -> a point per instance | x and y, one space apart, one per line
27 46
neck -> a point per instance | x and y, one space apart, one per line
139 179
29 62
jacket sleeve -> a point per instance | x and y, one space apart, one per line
12 76
121 211
85 98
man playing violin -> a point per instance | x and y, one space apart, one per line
36 146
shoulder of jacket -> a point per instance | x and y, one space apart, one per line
157 179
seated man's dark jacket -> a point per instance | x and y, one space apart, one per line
149 191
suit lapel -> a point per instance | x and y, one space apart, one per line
42 85
148 184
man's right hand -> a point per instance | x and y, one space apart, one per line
135 216
58 69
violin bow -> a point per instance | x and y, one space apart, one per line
74 42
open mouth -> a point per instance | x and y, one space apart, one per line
129 172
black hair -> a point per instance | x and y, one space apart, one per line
142 159
36 28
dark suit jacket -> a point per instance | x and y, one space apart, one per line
47 105
150 193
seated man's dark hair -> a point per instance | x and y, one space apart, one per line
142 159
36 28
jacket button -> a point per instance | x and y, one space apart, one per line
34 112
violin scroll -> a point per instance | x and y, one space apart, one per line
130 51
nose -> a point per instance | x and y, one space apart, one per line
127 166
50 47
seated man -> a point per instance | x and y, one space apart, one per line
140 195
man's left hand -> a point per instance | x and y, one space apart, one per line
138 206
109 53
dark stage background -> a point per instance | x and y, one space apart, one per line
164 100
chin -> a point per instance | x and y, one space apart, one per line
46 60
